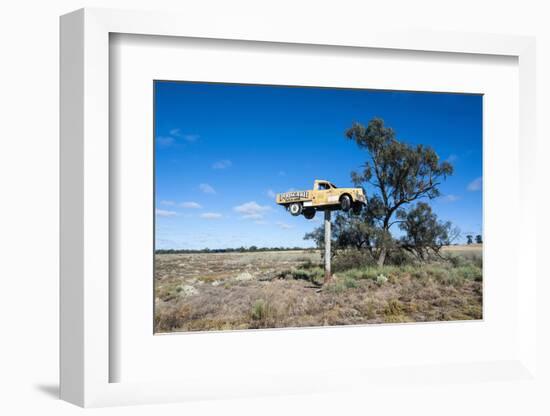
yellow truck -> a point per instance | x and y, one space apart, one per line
324 195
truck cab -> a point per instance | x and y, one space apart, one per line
324 195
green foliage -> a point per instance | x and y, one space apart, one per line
468 272
261 312
301 274
373 273
350 283
402 172
351 258
444 272
313 274
398 174
399 258
341 284
454 260
424 233
464 259
336 287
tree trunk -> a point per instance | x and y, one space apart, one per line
386 236
382 256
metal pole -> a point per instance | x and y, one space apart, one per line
327 246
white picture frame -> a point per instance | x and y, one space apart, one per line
86 356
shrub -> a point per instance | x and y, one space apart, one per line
455 260
349 283
354 274
373 273
419 273
393 308
478 261
312 274
351 259
170 319
336 287
394 312
408 269
300 274
437 272
261 312
308 264
399 258
469 272
370 273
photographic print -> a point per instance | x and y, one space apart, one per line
291 207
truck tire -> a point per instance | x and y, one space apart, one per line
345 203
295 208
309 213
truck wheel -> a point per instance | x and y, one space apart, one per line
309 213
357 208
295 208
345 203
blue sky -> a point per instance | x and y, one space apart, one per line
223 150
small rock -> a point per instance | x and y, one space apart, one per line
381 279
188 290
244 276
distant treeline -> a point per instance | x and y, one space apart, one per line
229 250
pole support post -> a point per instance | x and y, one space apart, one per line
328 274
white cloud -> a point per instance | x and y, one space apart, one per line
165 141
207 189
452 158
173 135
222 164
167 202
211 216
475 185
190 204
190 137
451 198
252 210
253 216
283 225
260 222
270 193
164 213
185 136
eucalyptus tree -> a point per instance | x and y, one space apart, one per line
394 175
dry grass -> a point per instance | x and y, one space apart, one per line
476 248
223 291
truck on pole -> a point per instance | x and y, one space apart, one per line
326 197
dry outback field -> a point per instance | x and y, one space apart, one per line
226 291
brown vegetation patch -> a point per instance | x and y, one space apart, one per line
198 292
